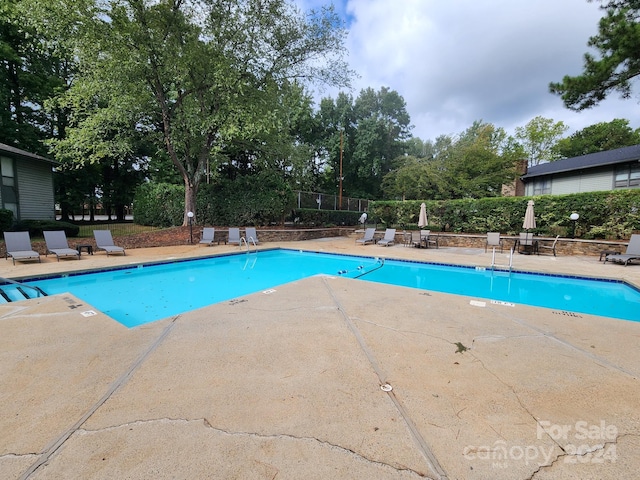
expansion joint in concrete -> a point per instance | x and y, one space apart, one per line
424 448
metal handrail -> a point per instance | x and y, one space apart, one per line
37 289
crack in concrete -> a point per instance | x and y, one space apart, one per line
566 455
207 424
18 455
54 446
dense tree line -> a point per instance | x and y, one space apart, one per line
197 92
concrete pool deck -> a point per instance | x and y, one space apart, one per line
287 384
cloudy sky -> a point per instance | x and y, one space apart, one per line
456 61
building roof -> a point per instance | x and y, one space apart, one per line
592 160
4 148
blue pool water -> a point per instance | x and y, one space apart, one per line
141 294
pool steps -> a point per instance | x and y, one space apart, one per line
12 291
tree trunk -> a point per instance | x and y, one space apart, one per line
190 192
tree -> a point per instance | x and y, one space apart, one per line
598 138
618 45
30 73
475 164
374 129
538 138
203 76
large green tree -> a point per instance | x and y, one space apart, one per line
538 138
616 64
598 138
474 164
203 77
31 72
368 132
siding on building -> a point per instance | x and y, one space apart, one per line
35 190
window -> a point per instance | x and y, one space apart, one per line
542 187
9 193
627 176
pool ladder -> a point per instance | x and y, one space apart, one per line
493 260
17 292
246 242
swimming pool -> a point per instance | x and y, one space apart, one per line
140 294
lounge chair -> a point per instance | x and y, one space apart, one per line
493 240
207 235
369 234
234 236
57 244
389 237
250 235
19 247
104 241
551 247
632 252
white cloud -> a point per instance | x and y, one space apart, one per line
463 60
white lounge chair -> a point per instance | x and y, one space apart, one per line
250 235
207 235
104 241
389 237
57 244
632 252
19 248
369 234
234 236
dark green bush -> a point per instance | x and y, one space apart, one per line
159 204
611 215
36 227
6 219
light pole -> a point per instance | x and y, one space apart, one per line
574 218
190 215
340 188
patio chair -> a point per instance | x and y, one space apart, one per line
632 252
428 239
234 236
526 243
389 237
493 240
19 248
207 235
57 244
104 241
251 235
369 234
551 247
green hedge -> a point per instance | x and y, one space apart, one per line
36 227
312 217
610 215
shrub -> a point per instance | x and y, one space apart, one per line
6 219
611 214
36 227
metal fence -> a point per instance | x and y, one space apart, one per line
324 201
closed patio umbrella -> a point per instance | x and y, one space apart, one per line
529 217
422 220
